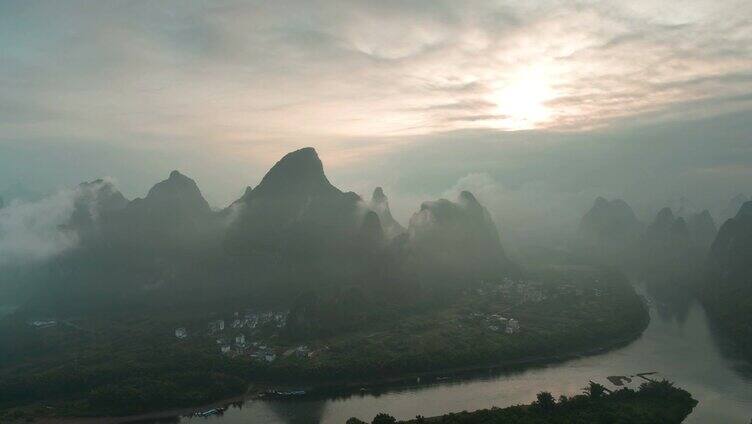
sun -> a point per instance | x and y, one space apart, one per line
521 101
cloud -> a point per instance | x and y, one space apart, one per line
223 89
255 76
33 231
533 213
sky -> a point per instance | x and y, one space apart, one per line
537 106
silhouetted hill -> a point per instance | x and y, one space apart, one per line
380 204
733 207
609 222
683 207
295 211
293 233
94 201
727 292
666 257
609 231
667 231
174 214
703 229
456 240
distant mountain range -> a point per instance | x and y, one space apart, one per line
669 249
680 255
293 232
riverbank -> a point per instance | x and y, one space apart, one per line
584 316
658 401
679 343
328 389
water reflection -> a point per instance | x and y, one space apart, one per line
679 343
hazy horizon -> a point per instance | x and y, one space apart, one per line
537 109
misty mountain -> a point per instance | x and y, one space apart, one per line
733 207
665 245
173 213
683 207
727 292
609 232
609 222
95 201
457 240
295 211
667 231
730 257
2 203
380 205
703 229
293 233
128 252
671 253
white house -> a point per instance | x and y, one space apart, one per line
240 340
513 326
181 333
217 326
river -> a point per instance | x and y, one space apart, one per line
679 343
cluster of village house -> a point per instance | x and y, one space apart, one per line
232 340
496 322
43 323
521 291
532 292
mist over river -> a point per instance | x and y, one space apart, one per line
680 344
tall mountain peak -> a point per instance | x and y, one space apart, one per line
665 215
380 205
468 198
94 199
457 238
703 228
733 206
178 190
176 175
300 170
378 196
611 222
745 211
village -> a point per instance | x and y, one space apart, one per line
255 334
518 293
251 334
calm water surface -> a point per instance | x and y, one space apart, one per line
680 344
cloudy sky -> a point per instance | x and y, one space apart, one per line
538 105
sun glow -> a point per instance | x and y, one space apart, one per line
521 101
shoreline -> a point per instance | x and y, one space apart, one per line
334 389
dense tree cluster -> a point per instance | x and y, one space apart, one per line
654 402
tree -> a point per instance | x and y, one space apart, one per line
546 401
383 419
595 390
